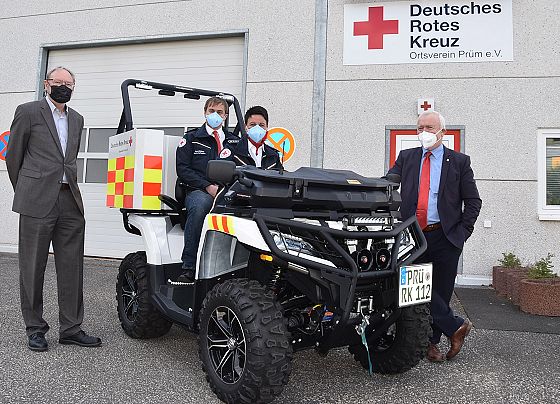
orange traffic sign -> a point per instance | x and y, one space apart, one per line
4 144
283 141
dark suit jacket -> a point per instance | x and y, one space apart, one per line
35 160
458 200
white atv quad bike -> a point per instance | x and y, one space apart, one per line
287 261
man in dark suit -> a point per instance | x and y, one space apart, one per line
41 161
438 187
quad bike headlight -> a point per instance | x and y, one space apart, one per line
291 244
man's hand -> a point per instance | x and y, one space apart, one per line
212 189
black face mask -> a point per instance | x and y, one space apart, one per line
61 94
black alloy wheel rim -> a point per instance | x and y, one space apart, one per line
129 297
226 345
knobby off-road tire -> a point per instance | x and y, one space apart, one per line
244 343
402 350
138 316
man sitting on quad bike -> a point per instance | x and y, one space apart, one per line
252 149
195 150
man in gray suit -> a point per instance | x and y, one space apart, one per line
41 161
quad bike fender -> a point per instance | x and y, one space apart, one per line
244 230
163 242
224 248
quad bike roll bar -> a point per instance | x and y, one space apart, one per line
126 123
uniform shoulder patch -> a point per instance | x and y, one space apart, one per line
225 153
182 142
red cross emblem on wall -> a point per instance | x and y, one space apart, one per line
376 27
425 104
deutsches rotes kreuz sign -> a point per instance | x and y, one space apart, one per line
428 32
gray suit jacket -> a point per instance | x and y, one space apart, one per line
35 160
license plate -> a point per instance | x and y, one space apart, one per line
415 284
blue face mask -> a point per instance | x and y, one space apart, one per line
256 134
214 120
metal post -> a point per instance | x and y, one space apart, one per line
319 84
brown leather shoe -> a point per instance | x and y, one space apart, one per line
434 354
458 339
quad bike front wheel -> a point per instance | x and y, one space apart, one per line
138 316
402 346
243 342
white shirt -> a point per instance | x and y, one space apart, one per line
61 123
257 157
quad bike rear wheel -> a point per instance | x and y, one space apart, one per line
243 342
403 345
138 316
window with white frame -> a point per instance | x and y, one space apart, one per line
549 173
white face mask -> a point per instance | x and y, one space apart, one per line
428 139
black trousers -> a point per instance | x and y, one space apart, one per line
444 256
64 226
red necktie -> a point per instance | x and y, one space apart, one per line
424 192
217 137
257 145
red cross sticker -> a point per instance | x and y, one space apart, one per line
376 27
426 106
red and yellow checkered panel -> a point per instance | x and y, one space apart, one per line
120 182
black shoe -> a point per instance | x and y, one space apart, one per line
81 339
187 276
37 342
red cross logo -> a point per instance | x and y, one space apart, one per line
376 27
426 106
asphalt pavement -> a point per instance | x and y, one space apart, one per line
493 367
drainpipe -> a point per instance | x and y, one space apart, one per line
319 85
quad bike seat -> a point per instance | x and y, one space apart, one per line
177 205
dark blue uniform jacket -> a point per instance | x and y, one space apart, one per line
195 150
241 157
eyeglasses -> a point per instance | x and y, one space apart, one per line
58 82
